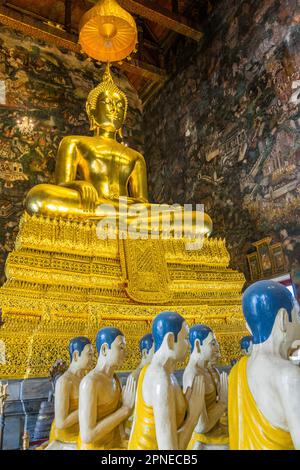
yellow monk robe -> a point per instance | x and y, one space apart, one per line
112 440
218 435
143 435
248 428
67 435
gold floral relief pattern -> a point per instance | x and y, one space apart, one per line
62 281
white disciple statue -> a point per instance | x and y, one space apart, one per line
164 418
246 344
146 347
65 427
211 431
264 411
103 405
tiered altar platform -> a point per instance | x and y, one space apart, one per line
63 280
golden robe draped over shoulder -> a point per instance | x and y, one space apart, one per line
248 428
112 440
67 435
218 435
143 434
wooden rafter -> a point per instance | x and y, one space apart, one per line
68 15
152 11
60 38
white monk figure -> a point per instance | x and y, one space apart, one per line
164 418
211 431
65 427
264 411
103 406
246 344
146 347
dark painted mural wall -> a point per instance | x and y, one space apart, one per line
224 130
49 86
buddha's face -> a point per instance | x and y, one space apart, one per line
116 353
210 350
181 346
110 111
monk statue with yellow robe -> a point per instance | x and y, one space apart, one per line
164 418
65 427
211 431
147 350
264 411
246 344
112 176
146 346
103 405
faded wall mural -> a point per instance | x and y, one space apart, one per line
38 82
224 130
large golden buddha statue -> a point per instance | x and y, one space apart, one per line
107 170
65 280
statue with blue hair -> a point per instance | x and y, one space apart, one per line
211 432
146 346
246 345
65 427
164 418
264 411
103 405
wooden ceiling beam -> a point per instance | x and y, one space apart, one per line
138 67
54 35
152 11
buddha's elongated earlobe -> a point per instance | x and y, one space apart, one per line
92 123
120 132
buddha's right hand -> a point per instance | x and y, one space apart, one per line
197 397
128 394
88 195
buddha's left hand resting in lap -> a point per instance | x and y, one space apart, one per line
107 169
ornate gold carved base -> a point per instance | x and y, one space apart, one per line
63 281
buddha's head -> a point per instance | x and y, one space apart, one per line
170 333
204 345
81 352
246 344
107 105
271 314
147 348
111 346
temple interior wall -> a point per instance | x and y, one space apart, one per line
224 130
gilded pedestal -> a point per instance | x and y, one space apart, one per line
64 281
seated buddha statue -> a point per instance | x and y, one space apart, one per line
211 431
97 176
65 427
164 418
103 406
263 408
146 347
246 344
